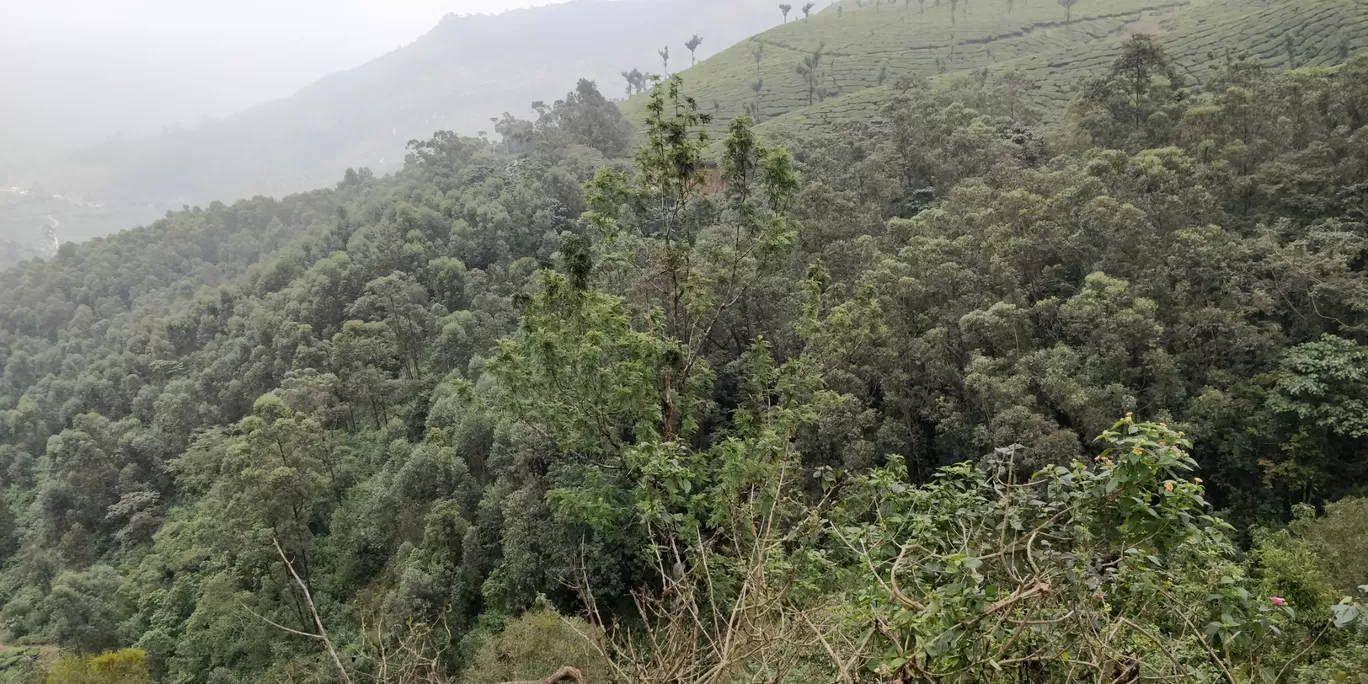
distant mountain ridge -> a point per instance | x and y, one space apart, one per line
458 75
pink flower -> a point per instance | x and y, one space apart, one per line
1099 596
1277 600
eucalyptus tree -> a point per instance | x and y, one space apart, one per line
1068 10
692 46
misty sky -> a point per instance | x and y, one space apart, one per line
79 71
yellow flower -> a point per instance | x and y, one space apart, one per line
1168 486
1137 451
1198 480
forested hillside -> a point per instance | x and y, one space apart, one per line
942 395
14 252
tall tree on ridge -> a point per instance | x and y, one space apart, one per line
810 70
758 86
1068 10
692 46
636 81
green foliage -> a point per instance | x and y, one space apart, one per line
127 666
81 609
1324 384
1295 565
587 118
535 645
768 416
1104 561
1142 95
9 532
580 367
1343 545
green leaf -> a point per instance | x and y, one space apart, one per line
941 645
1345 614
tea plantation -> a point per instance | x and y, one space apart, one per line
864 49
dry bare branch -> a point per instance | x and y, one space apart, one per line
566 673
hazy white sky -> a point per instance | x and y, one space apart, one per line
93 68
367 22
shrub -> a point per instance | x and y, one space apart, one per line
128 666
1343 535
535 645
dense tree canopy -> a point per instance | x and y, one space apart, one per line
841 410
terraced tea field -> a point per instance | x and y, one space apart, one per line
863 48
869 47
1198 37
1308 33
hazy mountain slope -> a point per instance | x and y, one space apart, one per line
456 77
1031 36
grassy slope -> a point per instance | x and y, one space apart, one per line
1196 38
897 39
1032 37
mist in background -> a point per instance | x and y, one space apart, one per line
77 72
117 111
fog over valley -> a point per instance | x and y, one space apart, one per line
128 109
80 71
